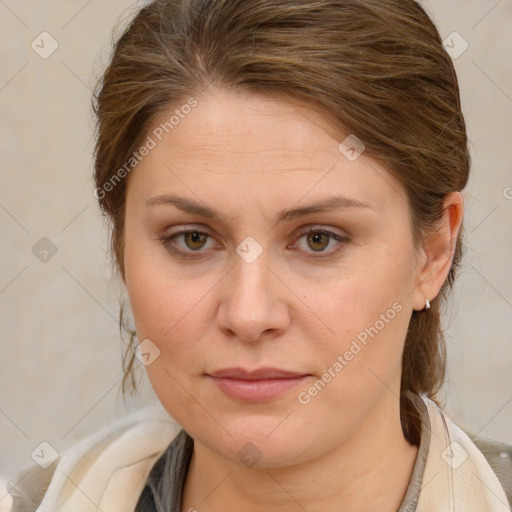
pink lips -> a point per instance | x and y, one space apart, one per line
256 385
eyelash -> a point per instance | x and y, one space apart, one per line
167 240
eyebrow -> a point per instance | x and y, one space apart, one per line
321 206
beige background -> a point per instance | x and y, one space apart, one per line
60 347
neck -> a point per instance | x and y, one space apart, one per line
368 471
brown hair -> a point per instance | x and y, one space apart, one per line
378 66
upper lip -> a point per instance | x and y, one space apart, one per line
257 374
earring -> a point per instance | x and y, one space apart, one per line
427 304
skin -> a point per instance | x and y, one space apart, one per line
249 157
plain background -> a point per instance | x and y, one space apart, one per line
60 347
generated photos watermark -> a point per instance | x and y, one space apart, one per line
357 345
150 143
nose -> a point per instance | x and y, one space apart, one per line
253 302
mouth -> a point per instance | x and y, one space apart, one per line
258 385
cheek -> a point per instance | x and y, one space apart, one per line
159 301
364 290
367 313
366 323
165 314
165 308
171 312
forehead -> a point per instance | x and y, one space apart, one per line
253 124
252 144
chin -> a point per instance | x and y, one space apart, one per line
260 442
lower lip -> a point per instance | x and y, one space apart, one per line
256 390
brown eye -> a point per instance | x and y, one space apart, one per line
195 239
318 240
188 243
320 243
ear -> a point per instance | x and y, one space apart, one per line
436 255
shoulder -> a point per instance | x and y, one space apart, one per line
495 455
499 457
149 430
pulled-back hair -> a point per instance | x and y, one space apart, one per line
378 66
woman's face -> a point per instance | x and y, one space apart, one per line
248 287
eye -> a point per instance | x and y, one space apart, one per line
318 240
194 241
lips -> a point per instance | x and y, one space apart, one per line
258 374
258 385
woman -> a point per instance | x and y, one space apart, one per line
283 180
